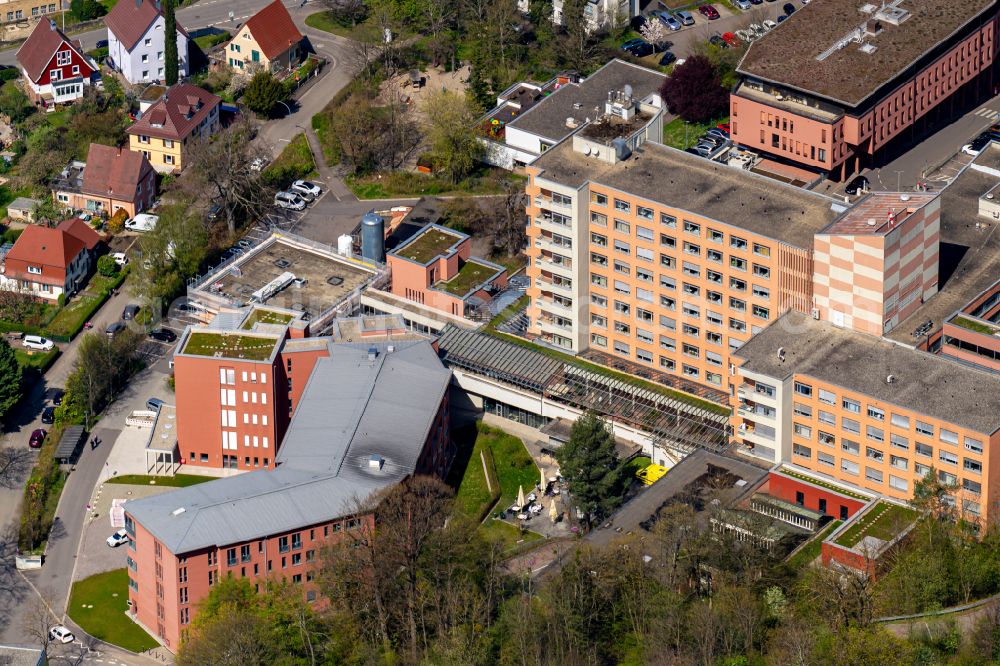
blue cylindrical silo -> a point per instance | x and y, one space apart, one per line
373 237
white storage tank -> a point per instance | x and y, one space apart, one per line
344 245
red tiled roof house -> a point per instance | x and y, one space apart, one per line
111 179
269 38
166 130
55 69
46 262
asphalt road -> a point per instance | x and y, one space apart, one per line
204 14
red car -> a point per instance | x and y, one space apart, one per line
37 437
709 12
724 127
731 39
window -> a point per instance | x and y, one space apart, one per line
897 483
622 268
691 248
737 243
644 233
666 260
900 421
623 247
925 429
899 442
850 425
623 206
803 389
64 58
872 474
852 406
803 451
876 413
667 302
874 454
973 445
643 274
283 544
715 236
737 284
849 466
737 325
850 447
644 213
599 240
946 457
737 263
668 220
761 313
622 287
622 348
947 478
826 438
970 465
924 450
692 228
599 340
712 276
827 417
824 459
803 410
972 486
949 437
803 431
599 199
737 304
623 227
875 434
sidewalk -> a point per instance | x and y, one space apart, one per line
334 184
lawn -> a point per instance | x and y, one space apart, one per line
510 535
363 32
414 184
512 465
428 245
206 42
294 162
231 346
680 134
508 312
37 360
884 521
975 326
176 481
812 550
266 317
71 318
636 464
471 275
98 605
823 484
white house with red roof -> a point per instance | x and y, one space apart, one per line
269 39
55 68
47 262
136 42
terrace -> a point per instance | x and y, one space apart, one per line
230 345
470 276
428 245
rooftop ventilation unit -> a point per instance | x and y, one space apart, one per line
868 9
868 48
178 511
375 461
372 353
893 15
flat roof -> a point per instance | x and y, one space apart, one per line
925 383
788 55
328 279
547 118
690 183
163 437
869 216
323 465
969 256
474 273
226 344
429 243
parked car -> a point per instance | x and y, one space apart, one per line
57 396
49 415
756 2
742 4
716 131
769 24
641 50
706 148
289 200
757 29
37 343
746 35
154 404
781 17
101 44
788 8
130 312
730 39
724 127
714 140
858 184
716 40
306 189
142 222
117 539
667 58
37 438
120 259
973 148
685 17
709 12
163 334
244 244
666 19
258 164
115 329
632 43
638 22
61 634
702 150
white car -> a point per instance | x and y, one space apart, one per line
37 343
120 259
117 539
769 24
258 164
61 634
304 187
289 200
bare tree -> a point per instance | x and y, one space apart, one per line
237 637
37 620
346 11
14 466
507 220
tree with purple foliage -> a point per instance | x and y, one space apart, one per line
694 92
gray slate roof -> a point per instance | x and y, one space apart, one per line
351 408
926 383
547 119
20 655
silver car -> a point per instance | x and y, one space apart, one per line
687 18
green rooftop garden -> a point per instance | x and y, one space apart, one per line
230 345
469 276
814 548
266 317
824 484
884 521
428 245
977 326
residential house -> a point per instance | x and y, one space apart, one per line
269 38
48 262
55 68
15 11
136 42
22 209
167 129
110 180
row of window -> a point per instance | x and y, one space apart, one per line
690 249
665 363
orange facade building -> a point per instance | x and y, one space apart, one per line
842 81
370 415
869 413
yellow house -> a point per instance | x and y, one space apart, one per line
269 39
166 130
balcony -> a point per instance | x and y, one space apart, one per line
548 263
749 412
550 304
552 244
552 324
560 223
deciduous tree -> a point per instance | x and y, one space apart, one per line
263 93
693 91
346 12
449 127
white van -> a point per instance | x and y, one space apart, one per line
142 222
37 343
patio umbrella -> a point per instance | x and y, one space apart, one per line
520 497
553 512
542 472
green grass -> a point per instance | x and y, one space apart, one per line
37 360
266 317
514 468
413 184
680 134
176 481
428 245
614 374
635 464
471 275
106 621
884 521
294 162
509 535
823 484
363 32
813 549
508 312
71 318
976 326
231 346
205 42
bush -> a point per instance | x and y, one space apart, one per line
61 301
294 162
11 235
106 266
117 222
10 74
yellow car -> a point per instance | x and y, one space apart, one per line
650 475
